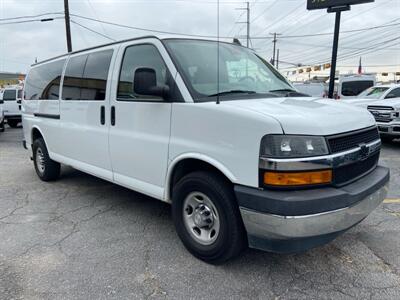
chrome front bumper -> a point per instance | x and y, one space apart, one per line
392 128
272 226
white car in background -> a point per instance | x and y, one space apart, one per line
314 89
1 115
350 86
376 93
387 117
12 97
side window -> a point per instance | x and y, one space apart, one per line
140 56
394 93
86 76
44 81
95 76
73 76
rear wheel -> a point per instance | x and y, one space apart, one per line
13 123
207 218
46 168
2 126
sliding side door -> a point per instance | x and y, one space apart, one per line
83 108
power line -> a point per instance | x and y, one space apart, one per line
146 29
31 21
92 30
31 16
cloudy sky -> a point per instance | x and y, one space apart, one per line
21 43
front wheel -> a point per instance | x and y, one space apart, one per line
2 126
46 168
13 123
207 218
386 139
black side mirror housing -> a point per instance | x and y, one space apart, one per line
145 83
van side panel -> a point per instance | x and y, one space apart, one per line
220 133
41 107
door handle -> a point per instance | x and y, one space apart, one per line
102 115
112 115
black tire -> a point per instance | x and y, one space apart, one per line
2 126
13 123
231 239
386 139
51 169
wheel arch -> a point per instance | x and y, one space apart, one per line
189 162
36 133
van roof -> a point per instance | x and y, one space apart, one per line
128 40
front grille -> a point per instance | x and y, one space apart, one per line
352 140
383 120
345 174
372 107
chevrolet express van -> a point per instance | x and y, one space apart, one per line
242 160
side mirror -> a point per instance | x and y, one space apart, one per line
390 96
145 83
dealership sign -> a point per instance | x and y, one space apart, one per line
320 4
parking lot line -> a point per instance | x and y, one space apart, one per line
390 201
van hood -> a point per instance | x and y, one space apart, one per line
313 116
394 102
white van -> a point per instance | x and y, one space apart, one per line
1 114
12 97
242 160
314 89
350 86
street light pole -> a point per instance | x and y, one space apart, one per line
67 26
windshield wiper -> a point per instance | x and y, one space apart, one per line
289 93
282 90
232 92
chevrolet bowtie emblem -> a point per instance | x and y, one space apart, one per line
364 151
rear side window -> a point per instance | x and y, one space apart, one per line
354 88
86 76
44 81
10 95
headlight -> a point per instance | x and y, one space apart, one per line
290 146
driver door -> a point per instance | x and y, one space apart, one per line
140 125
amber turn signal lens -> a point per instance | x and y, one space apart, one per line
298 178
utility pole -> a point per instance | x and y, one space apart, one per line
67 26
274 53
247 23
277 60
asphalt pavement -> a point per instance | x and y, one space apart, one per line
83 238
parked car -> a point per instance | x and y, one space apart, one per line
1 115
12 97
314 89
387 116
242 160
350 86
375 93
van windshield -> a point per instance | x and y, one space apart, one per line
242 73
10 95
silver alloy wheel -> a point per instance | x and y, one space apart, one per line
40 160
201 218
